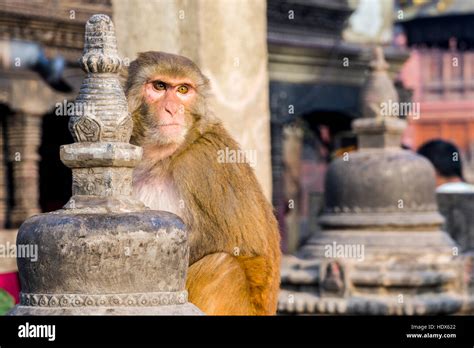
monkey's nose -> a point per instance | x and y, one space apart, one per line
171 108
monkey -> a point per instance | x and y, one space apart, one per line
234 241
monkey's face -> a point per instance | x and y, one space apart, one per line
168 101
167 96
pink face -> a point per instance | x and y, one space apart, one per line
168 99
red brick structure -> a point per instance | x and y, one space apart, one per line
440 71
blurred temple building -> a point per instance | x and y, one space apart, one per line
440 71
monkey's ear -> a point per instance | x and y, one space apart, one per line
123 76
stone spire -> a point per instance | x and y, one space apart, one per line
378 126
101 160
108 120
378 87
381 249
103 253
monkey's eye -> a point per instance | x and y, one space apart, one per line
159 86
183 89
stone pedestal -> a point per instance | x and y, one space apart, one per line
104 252
112 264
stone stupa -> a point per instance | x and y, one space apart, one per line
381 249
104 252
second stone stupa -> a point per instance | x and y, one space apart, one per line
381 250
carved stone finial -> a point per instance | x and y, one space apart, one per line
100 46
101 106
378 88
379 125
102 160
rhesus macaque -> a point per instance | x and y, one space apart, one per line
234 239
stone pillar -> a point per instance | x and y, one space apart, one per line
24 138
227 39
104 252
292 151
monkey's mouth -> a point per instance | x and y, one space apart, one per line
171 131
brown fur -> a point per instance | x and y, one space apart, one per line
234 238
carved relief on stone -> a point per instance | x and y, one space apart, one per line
111 300
86 129
124 129
102 181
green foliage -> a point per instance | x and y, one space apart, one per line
7 302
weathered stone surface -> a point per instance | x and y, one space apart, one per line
397 185
101 263
104 253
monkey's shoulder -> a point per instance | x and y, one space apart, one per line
216 170
216 153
